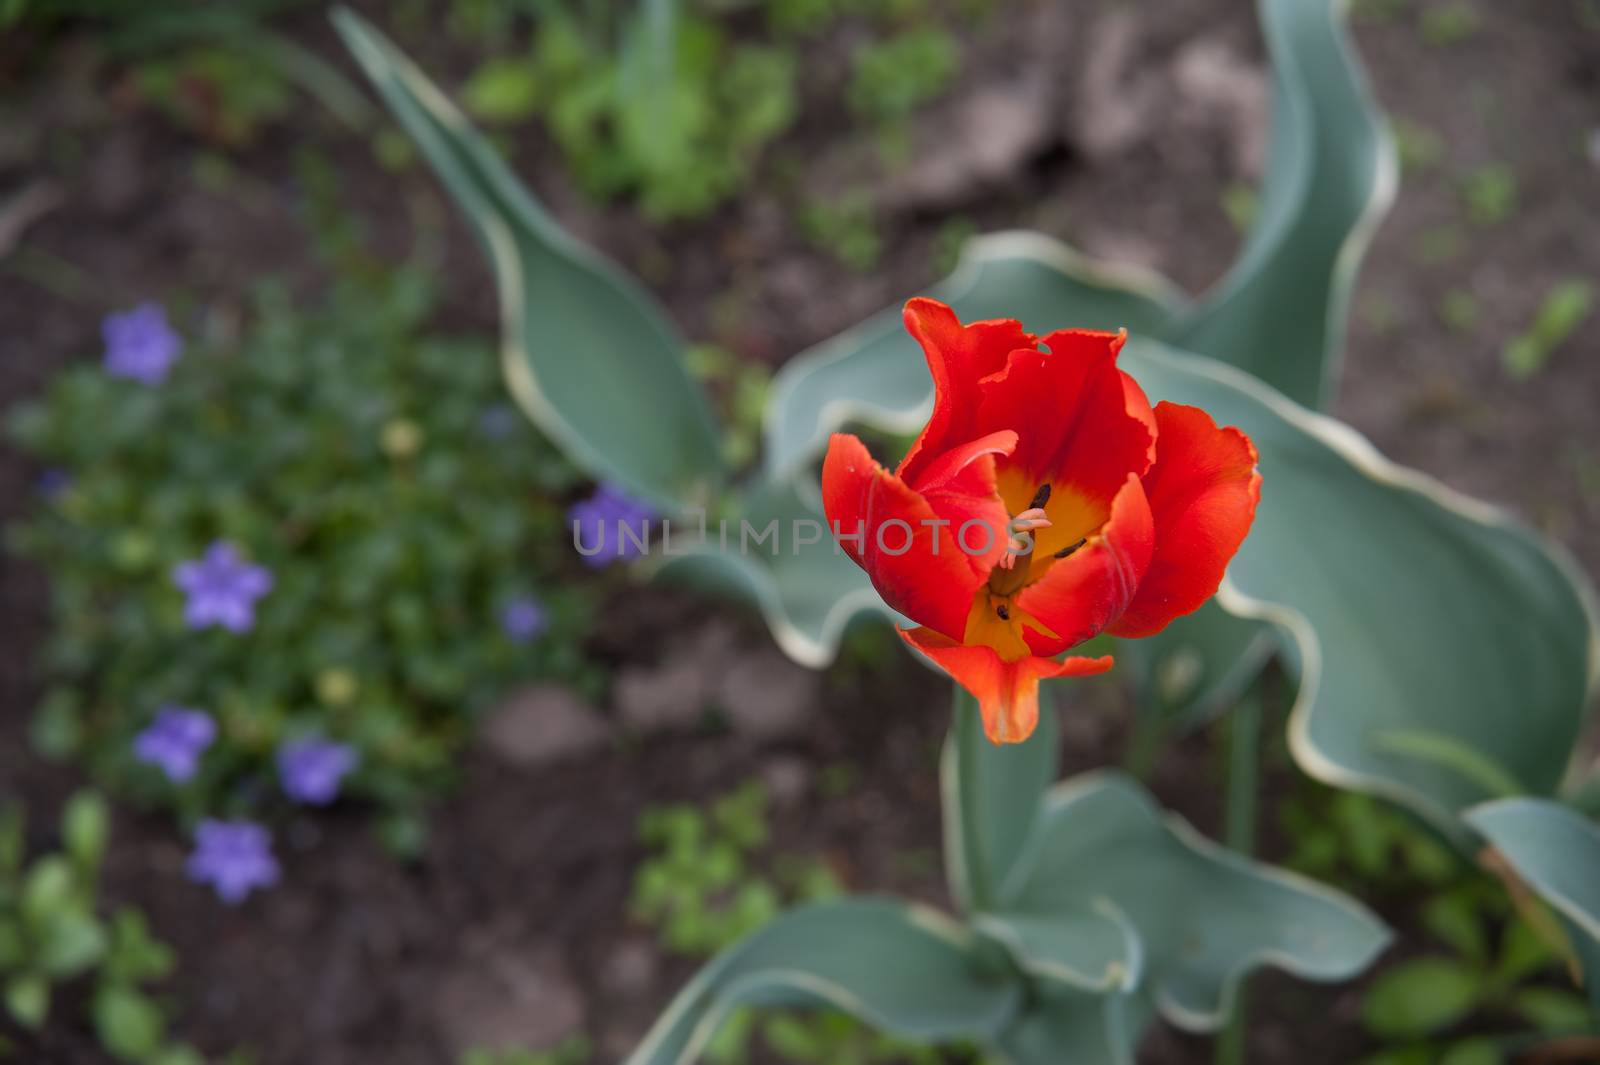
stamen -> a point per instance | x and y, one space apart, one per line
1003 611
1041 497
1029 520
1069 549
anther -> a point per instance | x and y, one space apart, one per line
1003 611
1069 549
1041 497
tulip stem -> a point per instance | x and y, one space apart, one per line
1244 764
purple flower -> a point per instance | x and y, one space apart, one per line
175 740
610 526
498 422
234 857
312 768
140 344
52 482
523 619
222 588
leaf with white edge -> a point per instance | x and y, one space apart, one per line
1203 915
1278 313
1556 852
902 969
586 351
780 556
1331 176
1081 1028
1445 653
991 797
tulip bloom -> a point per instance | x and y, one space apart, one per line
1044 503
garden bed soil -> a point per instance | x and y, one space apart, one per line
512 926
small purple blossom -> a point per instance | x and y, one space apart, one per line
53 482
175 740
234 857
222 588
523 619
311 769
498 422
140 345
610 526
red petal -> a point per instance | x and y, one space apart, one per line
1007 692
959 356
917 567
1085 427
1079 596
1203 491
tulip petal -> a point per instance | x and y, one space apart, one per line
1007 691
1085 428
907 541
1203 491
959 356
1078 596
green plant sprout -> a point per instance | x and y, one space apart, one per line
53 932
1564 308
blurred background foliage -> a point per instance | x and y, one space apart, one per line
376 471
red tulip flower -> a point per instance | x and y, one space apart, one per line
1044 503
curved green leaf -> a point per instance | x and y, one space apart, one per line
586 352
903 969
1063 1025
991 797
1445 653
1204 916
808 592
1280 312
1556 852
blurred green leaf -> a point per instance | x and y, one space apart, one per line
902 969
627 409
1481 1051
85 827
1566 307
129 1024
28 999
68 944
1556 852
502 90
1420 997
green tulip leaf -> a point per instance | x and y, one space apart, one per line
1279 314
1556 852
1064 1025
780 556
903 969
586 351
1203 916
1393 594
